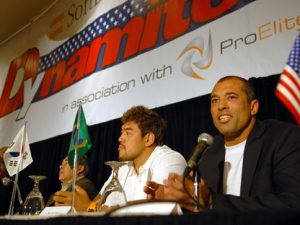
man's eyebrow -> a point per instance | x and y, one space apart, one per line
213 96
231 93
227 93
127 129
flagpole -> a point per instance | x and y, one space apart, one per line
75 159
12 200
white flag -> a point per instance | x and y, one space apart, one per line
18 155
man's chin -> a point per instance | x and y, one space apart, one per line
120 158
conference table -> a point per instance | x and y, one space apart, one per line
187 218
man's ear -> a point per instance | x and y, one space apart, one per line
254 107
80 169
150 138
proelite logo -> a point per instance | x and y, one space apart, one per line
206 55
120 34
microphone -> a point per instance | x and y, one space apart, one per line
204 141
5 181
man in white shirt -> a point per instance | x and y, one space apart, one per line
253 165
147 159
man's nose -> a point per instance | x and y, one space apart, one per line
120 139
222 104
62 165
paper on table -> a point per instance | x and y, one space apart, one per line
149 208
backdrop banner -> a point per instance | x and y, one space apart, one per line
110 55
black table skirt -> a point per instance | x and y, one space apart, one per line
208 218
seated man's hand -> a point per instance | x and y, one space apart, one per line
81 199
173 190
154 190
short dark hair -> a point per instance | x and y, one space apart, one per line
147 121
84 162
247 86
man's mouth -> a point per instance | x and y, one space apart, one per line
121 146
224 118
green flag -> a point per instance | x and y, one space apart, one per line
80 132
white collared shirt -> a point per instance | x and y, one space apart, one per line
161 162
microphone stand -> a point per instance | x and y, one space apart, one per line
19 192
196 192
195 198
6 182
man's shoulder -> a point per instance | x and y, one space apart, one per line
163 154
276 125
165 150
276 122
84 180
274 129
